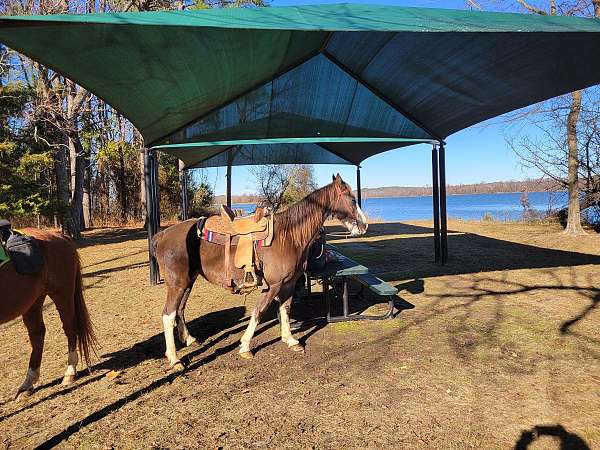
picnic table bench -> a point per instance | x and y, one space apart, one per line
346 268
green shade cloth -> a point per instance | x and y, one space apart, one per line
340 150
349 72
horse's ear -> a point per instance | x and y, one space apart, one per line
332 177
337 179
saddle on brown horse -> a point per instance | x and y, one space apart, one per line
245 235
24 251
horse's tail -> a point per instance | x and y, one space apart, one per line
86 338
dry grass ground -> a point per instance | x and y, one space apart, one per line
501 340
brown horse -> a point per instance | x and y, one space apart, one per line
23 295
182 256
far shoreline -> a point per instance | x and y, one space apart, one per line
429 195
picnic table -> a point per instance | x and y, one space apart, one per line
342 267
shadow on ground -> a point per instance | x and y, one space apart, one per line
409 257
566 440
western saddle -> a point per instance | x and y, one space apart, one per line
245 234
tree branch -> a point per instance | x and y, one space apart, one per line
532 8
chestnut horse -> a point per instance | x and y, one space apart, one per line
182 257
23 295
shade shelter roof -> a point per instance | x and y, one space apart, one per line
249 84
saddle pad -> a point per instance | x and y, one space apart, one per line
25 253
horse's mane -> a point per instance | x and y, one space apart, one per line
301 220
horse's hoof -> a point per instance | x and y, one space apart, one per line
68 379
178 367
24 394
298 348
246 355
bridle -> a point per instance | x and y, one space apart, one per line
340 196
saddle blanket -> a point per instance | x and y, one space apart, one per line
218 238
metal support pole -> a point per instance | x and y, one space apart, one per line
436 203
228 194
345 297
185 204
358 192
183 185
151 210
443 214
155 192
327 297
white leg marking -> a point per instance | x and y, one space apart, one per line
247 337
31 377
72 363
286 332
169 324
184 335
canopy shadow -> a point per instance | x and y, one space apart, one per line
411 257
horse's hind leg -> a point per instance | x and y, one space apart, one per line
175 295
182 332
66 312
36 329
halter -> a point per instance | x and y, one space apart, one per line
340 195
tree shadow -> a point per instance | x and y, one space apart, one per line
461 299
104 261
565 327
100 273
120 357
566 439
111 236
222 324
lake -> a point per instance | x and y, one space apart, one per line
504 207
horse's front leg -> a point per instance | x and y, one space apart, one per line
262 305
35 327
286 331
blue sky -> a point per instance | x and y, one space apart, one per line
477 154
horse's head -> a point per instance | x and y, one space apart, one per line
345 209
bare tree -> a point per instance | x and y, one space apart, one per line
280 185
544 155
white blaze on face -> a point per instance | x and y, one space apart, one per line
359 226
362 219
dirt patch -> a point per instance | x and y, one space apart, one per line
501 340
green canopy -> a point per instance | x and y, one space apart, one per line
354 80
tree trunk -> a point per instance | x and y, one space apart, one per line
87 200
574 227
77 176
62 190
123 187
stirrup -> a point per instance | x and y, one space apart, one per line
250 278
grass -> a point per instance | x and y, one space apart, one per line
502 339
